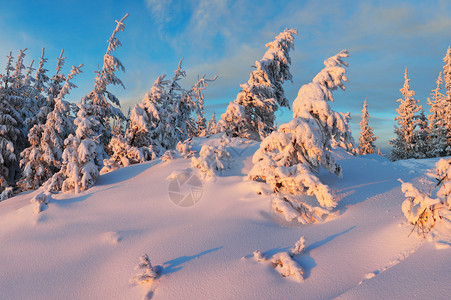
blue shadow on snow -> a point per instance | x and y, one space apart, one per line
174 265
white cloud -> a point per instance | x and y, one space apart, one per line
160 10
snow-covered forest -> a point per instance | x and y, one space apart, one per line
221 206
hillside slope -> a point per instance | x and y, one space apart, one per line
85 246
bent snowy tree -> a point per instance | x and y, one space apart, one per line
290 157
84 152
251 115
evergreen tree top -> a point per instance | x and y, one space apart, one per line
271 71
365 114
60 62
447 70
405 90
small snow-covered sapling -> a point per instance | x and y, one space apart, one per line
284 263
150 273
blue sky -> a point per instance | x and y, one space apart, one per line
224 38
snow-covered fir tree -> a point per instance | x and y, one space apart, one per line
185 104
57 80
212 127
18 76
12 128
123 155
421 136
367 138
80 161
447 102
197 92
41 78
20 90
38 93
12 92
43 158
252 113
85 151
289 158
165 117
9 132
52 86
212 160
29 93
100 101
438 133
166 114
150 125
313 101
407 120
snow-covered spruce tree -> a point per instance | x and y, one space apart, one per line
148 277
425 210
447 102
124 154
312 101
367 138
197 92
212 160
56 81
43 158
12 128
252 113
100 101
12 91
9 132
22 93
50 85
149 124
212 127
284 263
160 121
80 167
289 157
150 132
38 94
186 103
29 91
438 133
407 119
421 135
165 115
41 78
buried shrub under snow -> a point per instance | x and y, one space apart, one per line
424 210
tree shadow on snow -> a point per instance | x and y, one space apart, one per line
175 265
80 198
363 178
305 260
126 173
